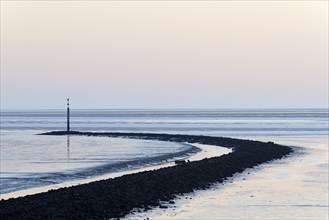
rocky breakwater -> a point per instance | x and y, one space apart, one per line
114 198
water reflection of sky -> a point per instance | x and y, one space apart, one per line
30 154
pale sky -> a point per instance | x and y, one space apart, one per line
164 54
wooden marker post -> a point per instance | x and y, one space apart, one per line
68 115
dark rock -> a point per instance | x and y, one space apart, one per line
180 162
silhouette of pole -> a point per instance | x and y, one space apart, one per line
68 115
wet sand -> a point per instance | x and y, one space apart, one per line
295 187
116 197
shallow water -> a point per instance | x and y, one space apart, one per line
206 151
29 160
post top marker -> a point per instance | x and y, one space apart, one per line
68 115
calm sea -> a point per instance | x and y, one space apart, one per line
29 160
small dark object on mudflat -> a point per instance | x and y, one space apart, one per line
114 198
180 162
163 207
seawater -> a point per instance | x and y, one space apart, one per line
29 160
225 122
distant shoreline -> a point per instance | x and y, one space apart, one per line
114 198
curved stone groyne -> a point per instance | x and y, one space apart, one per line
114 198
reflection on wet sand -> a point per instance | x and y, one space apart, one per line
292 188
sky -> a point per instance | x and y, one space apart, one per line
164 54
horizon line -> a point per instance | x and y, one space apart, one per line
199 108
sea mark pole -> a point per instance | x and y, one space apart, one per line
68 115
